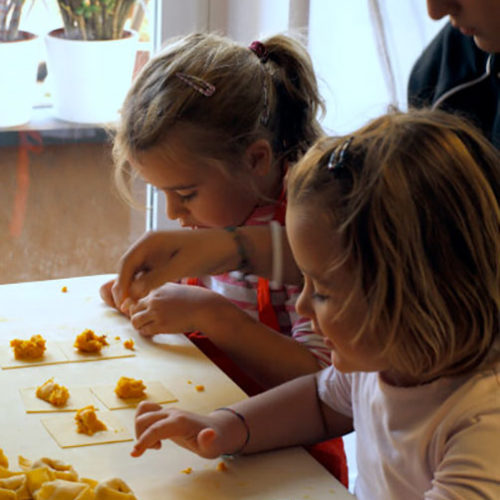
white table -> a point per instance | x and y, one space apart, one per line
42 308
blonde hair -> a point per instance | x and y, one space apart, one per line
416 203
275 98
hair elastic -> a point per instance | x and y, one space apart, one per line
260 50
198 84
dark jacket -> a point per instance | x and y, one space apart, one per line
455 75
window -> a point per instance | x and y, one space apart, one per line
41 17
55 173
59 212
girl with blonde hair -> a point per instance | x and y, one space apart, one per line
214 125
396 232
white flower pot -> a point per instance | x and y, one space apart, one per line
90 78
18 68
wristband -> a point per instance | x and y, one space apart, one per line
244 422
244 264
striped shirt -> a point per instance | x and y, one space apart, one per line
241 289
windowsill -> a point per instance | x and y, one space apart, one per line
43 119
53 130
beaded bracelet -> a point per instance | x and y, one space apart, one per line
244 264
244 422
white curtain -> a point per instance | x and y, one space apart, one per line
242 20
363 51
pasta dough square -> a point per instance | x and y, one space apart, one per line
62 428
156 392
115 349
53 355
78 398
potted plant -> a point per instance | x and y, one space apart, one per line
91 59
19 57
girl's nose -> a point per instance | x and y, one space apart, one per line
437 9
302 305
174 206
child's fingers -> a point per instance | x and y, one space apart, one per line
147 406
146 415
144 323
140 314
118 291
133 274
106 293
140 287
149 330
147 419
130 264
136 307
150 430
181 427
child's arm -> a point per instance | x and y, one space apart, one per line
161 256
266 355
288 415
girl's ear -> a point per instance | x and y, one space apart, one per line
259 157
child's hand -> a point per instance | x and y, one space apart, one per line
107 296
198 433
162 256
175 308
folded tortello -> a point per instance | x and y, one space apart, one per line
60 489
14 487
113 489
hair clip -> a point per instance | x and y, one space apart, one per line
260 50
337 157
201 86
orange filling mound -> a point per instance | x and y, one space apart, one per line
88 341
28 349
87 421
130 388
55 394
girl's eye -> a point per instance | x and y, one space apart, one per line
319 297
308 283
187 197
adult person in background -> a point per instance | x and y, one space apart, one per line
459 71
